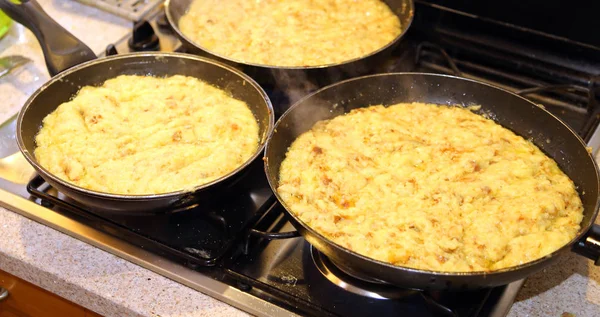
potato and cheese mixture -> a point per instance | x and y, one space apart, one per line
146 135
429 187
290 32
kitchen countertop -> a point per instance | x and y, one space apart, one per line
112 286
94 278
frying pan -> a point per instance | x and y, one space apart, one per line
521 116
62 50
321 74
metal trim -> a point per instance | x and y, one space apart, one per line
145 259
594 142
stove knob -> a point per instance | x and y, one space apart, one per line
144 38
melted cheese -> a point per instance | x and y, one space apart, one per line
291 32
147 135
429 187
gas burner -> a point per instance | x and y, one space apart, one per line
355 282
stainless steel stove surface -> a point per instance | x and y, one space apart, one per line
235 247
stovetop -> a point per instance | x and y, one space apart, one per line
221 248
216 242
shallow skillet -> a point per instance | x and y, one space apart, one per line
507 109
62 51
321 75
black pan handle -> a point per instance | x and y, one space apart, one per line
589 246
61 49
274 235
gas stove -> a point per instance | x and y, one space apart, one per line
239 249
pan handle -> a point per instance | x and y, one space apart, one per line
274 235
589 246
61 49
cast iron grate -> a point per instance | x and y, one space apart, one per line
197 235
576 104
309 291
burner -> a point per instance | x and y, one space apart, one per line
356 283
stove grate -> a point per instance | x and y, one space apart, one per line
197 235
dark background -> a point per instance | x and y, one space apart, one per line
577 20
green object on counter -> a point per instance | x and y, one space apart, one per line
5 23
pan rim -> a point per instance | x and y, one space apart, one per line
410 8
31 159
581 233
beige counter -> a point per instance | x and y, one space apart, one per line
93 278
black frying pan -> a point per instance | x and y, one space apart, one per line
62 50
321 74
507 109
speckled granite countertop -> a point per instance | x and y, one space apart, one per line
112 286
94 278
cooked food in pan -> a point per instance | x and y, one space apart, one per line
146 135
291 32
429 187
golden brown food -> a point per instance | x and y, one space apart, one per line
291 32
147 135
429 187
